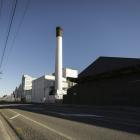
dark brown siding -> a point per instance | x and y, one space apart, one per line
122 90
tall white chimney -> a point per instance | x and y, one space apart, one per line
58 64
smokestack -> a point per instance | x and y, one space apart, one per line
58 63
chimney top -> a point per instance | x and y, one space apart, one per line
59 31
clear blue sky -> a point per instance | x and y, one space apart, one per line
92 28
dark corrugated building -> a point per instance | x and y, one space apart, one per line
108 81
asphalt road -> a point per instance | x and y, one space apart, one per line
54 122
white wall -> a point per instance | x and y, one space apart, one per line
67 72
26 86
38 90
42 86
27 82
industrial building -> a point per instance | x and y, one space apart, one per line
24 90
17 93
43 88
48 88
107 81
26 87
51 88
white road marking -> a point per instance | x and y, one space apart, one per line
75 115
45 126
80 115
98 117
67 114
14 116
34 108
134 81
7 105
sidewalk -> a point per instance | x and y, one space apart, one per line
3 132
6 133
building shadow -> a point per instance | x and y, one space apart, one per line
107 117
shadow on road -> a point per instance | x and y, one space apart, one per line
128 121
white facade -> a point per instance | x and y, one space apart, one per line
40 87
27 87
67 72
27 82
43 89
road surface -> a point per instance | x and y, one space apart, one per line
51 122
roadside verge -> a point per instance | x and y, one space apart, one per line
9 132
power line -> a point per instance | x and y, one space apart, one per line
7 37
1 4
18 28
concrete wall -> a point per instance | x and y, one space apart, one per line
27 82
26 86
70 73
38 90
43 89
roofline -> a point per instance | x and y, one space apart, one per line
106 57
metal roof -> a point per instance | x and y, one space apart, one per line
108 64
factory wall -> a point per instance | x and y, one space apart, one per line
43 90
38 87
120 90
67 72
26 90
28 94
